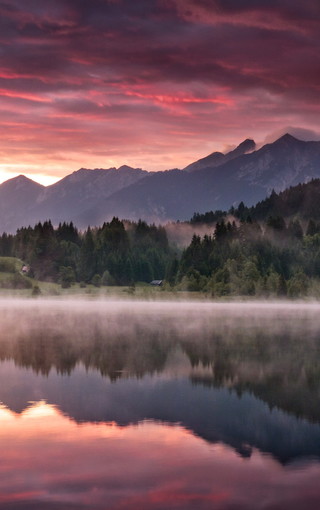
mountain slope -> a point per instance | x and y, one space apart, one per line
278 165
249 177
17 198
24 202
81 190
297 202
301 201
94 196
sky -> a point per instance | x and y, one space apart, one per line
154 84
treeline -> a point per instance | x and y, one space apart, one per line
114 254
240 257
301 201
246 258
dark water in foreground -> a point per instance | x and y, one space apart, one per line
159 406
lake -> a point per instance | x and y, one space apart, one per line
159 405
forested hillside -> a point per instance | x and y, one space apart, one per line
268 259
301 201
271 249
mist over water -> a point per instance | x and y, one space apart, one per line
164 387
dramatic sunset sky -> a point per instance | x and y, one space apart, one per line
151 83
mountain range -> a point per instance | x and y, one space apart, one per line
90 197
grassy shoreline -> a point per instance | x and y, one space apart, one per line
50 290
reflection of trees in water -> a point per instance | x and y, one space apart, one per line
277 360
281 369
114 357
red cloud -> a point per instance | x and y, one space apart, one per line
168 99
129 74
24 95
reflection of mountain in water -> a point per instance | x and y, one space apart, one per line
216 415
201 368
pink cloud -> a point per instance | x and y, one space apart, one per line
24 95
126 75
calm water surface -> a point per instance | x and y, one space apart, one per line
131 405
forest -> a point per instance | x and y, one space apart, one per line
269 250
254 259
301 201
114 254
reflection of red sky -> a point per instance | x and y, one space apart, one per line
47 457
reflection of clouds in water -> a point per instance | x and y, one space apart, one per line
193 371
48 460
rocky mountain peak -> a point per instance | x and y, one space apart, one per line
244 147
218 158
21 181
247 145
125 168
287 139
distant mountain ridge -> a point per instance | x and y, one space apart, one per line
24 202
82 189
176 195
90 197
